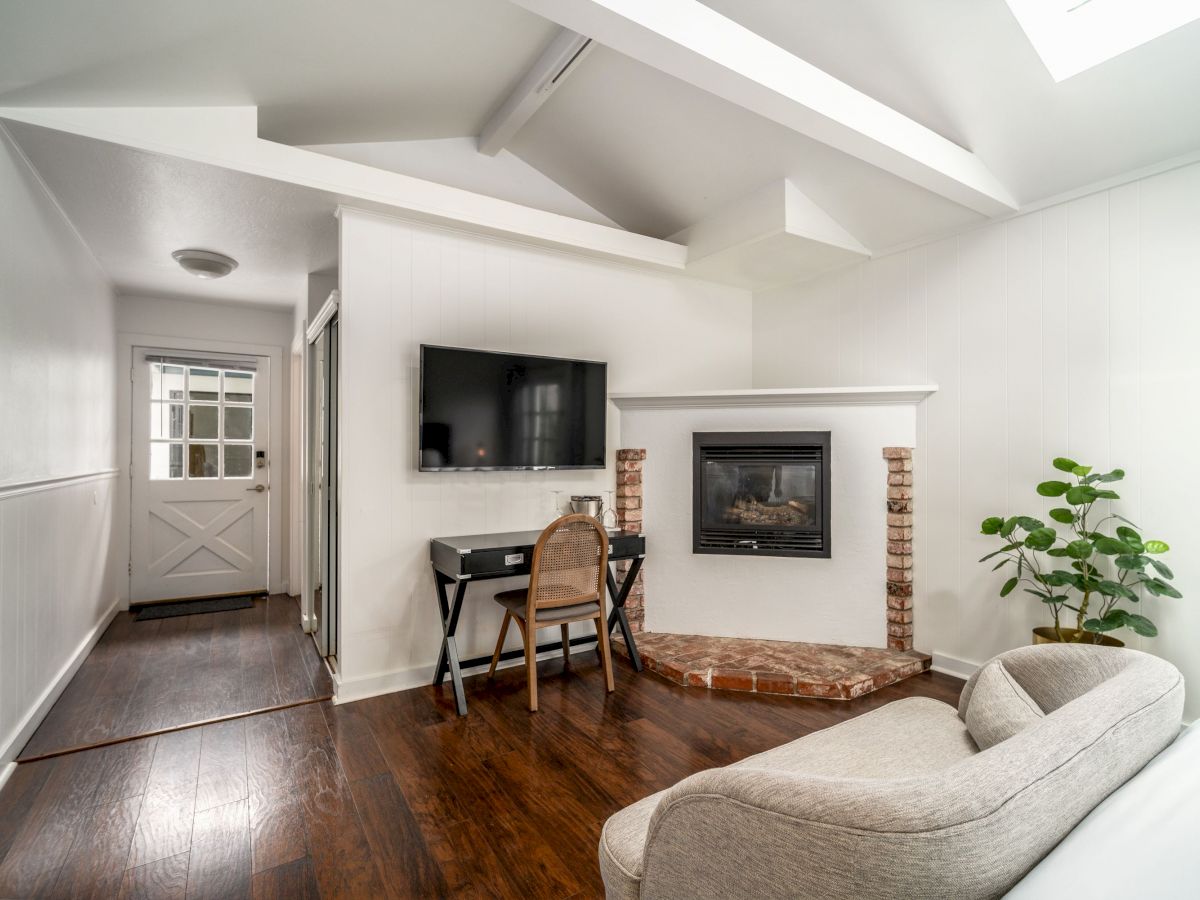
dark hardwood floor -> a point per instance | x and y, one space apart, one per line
395 796
143 677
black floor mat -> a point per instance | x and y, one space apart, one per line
195 607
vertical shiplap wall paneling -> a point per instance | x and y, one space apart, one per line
1074 330
1169 274
1024 383
1125 353
57 447
404 285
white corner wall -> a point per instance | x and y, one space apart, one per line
403 285
1069 331
57 450
198 324
840 600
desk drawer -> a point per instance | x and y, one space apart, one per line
497 562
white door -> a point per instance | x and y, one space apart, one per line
199 488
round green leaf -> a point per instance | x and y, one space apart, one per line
1141 625
1007 528
1080 549
1008 587
1136 563
1162 568
1131 537
1041 539
1062 514
1081 470
991 525
1112 547
1157 547
1080 494
1053 488
1105 495
1114 475
1029 523
1066 465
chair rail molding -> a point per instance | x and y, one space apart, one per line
19 488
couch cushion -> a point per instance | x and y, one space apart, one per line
999 707
914 736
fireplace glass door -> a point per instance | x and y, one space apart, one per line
761 494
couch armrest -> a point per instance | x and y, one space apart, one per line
761 833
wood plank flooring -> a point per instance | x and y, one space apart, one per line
391 797
144 677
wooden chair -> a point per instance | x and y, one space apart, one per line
566 584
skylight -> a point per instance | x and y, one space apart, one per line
1073 35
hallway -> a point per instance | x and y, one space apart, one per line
147 677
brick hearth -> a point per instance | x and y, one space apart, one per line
774 667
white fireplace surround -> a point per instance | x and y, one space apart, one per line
838 600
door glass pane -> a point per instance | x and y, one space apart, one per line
239 387
166 382
202 422
203 460
239 460
166 420
203 384
166 461
239 423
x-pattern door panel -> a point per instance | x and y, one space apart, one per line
199 503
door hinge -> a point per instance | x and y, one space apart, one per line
131 375
131 568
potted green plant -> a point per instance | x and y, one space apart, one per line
1097 572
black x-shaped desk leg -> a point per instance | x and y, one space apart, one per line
448 658
617 615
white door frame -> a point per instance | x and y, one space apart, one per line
276 534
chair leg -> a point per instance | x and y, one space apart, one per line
566 638
499 644
605 651
529 631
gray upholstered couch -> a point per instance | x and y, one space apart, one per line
902 802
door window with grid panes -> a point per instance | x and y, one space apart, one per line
201 422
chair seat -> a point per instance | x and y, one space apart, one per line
515 602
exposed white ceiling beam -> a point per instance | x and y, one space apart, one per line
698 45
228 137
551 69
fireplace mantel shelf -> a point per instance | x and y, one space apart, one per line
829 396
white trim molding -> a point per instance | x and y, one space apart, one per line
18 488
952 665
831 396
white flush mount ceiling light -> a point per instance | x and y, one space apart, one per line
205 263
1073 35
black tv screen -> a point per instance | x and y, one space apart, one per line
484 410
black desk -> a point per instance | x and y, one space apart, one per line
479 557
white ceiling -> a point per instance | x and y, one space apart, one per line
617 140
134 208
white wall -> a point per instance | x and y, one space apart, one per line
217 326
57 449
402 285
1070 331
840 600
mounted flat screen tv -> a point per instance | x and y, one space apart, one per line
495 411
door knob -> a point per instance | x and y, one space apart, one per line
258 488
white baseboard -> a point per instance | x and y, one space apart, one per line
29 724
352 689
952 665
6 773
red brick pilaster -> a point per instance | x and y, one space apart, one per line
899 547
629 518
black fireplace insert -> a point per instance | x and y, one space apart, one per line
761 493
